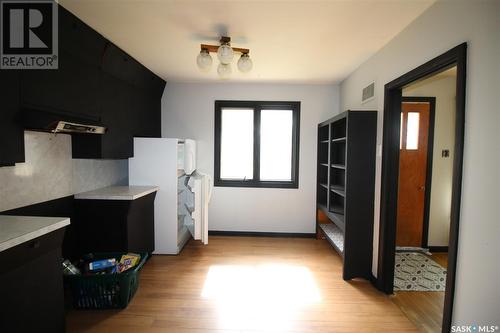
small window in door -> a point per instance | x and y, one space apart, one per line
412 125
409 131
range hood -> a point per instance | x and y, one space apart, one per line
60 122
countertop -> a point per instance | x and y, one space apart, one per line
15 230
117 193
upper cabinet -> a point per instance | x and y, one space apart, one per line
95 80
147 121
11 133
72 88
120 65
80 40
115 97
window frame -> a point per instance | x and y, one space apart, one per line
257 107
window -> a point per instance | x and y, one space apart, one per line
412 131
409 130
257 144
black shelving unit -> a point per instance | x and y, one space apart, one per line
345 188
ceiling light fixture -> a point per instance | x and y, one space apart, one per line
204 60
245 63
225 54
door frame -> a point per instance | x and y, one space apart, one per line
390 172
430 150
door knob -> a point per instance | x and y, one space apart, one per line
421 188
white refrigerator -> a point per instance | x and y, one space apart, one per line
181 204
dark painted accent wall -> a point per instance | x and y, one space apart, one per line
95 79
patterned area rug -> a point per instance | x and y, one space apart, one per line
418 272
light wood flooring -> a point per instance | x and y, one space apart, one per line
249 284
424 308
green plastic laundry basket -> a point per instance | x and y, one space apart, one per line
106 291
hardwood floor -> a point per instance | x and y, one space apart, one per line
424 308
440 258
249 284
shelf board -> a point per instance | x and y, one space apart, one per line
338 166
340 190
334 235
324 164
336 218
324 141
337 209
339 139
324 185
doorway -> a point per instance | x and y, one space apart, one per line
415 171
391 173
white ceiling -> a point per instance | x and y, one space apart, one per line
289 41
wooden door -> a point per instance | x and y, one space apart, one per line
412 173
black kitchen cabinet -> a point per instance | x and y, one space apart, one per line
116 103
95 80
31 286
79 40
130 112
129 98
115 225
120 65
70 89
145 118
11 132
116 113
61 207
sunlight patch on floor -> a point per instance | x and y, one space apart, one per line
264 297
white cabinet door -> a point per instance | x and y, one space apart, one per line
195 185
201 185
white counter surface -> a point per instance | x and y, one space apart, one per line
117 193
15 230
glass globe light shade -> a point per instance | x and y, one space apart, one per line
224 70
204 61
245 63
225 54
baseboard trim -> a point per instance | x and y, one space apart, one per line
438 248
372 279
261 234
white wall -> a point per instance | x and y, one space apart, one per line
50 173
443 88
188 112
443 26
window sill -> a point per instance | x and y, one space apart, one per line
255 184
